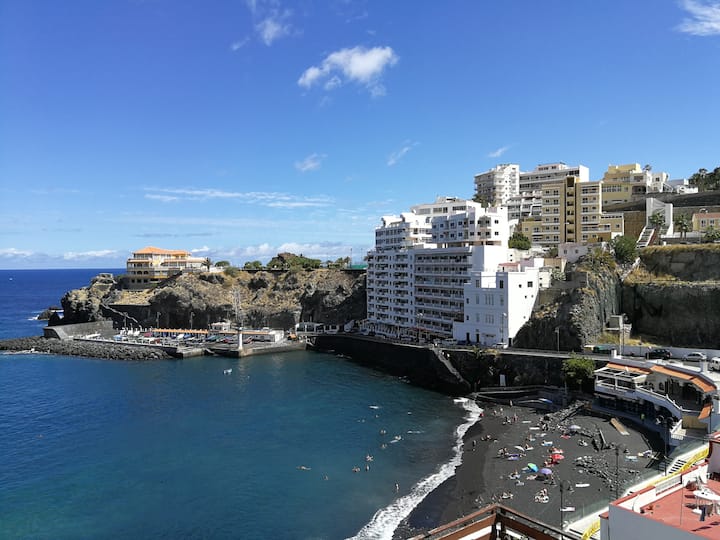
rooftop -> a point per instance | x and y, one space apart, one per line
681 509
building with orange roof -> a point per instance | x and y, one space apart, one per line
151 265
678 399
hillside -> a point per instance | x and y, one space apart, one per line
275 299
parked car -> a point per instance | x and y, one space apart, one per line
656 354
695 356
715 363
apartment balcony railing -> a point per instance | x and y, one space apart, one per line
647 394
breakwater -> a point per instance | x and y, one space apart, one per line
114 351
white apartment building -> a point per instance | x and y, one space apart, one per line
521 192
419 270
533 181
497 185
498 301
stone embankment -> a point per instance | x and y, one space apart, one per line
114 351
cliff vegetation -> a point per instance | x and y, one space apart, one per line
276 299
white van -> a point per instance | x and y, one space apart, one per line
714 363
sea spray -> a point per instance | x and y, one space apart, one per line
383 524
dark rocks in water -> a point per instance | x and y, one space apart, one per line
49 312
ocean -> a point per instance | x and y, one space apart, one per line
177 449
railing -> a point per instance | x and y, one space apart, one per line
646 393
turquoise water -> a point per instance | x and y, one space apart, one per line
177 449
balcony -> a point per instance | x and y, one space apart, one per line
684 408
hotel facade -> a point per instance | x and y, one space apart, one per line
151 265
422 273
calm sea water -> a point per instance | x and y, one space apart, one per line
177 449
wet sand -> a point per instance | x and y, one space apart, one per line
484 476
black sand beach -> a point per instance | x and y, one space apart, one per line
588 474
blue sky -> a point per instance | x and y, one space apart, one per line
241 129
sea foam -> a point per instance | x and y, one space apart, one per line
383 524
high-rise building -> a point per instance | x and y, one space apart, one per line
497 185
572 212
421 265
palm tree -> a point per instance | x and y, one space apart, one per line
657 220
207 263
683 224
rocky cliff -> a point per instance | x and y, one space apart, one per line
574 312
276 299
673 297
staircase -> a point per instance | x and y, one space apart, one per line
646 237
675 465
446 362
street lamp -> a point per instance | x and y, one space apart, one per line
192 315
562 505
157 320
665 423
617 471
557 334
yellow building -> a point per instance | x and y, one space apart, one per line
702 221
572 212
621 191
150 265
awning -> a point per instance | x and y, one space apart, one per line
703 385
630 369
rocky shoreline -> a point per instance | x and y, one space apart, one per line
111 351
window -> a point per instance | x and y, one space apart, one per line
530 284
502 284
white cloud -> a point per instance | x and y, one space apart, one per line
85 255
310 163
202 250
396 156
273 27
704 18
161 198
359 65
269 199
499 152
237 45
13 252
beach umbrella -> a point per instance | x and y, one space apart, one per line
546 471
557 457
532 467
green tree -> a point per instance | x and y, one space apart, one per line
222 264
519 241
624 248
657 219
705 180
711 234
252 265
683 224
579 372
482 199
598 259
